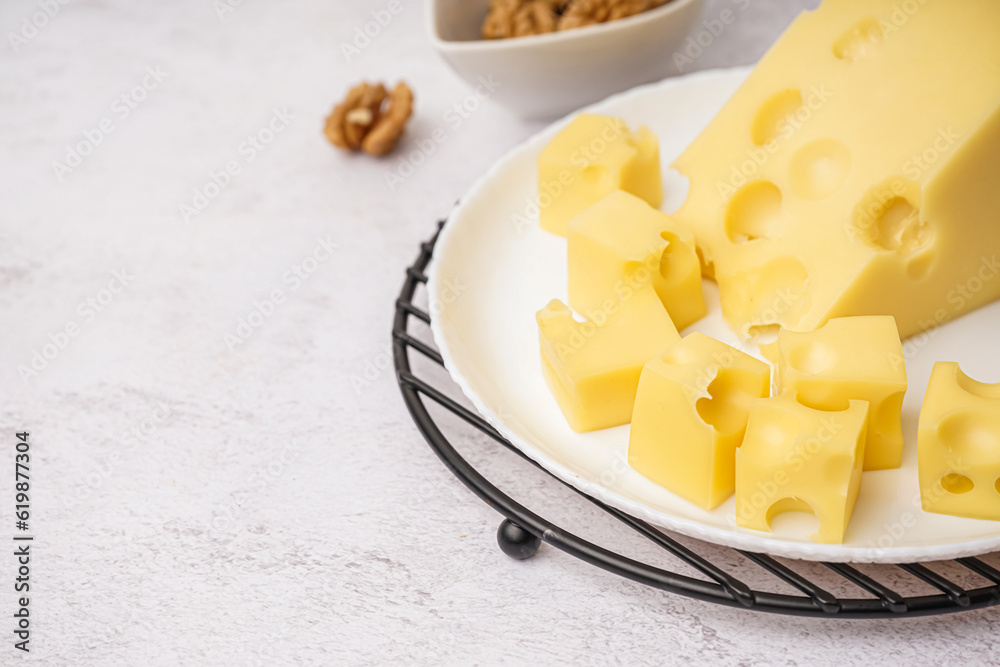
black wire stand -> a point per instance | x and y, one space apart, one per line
522 531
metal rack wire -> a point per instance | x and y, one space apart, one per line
522 531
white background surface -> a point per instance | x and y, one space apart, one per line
282 512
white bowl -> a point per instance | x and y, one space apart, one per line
550 75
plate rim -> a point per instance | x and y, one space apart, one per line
762 543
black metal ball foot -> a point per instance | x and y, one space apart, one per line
516 542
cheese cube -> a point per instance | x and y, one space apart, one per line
591 157
855 171
858 358
593 367
622 239
796 459
959 445
690 415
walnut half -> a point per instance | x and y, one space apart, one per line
370 119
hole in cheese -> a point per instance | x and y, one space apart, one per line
860 41
888 219
813 357
773 296
792 515
971 436
771 121
822 400
676 261
707 266
976 388
679 355
597 176
763 334
819 168
754 212
957 484
732 391
899 226
777 430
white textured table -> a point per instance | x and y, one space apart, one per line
211 492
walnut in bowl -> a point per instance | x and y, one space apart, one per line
523 18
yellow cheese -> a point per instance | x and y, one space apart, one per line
690 414
959 445
622 239
855 171
796 459
593 367
859 358
591 157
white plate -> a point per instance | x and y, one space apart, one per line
491 273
